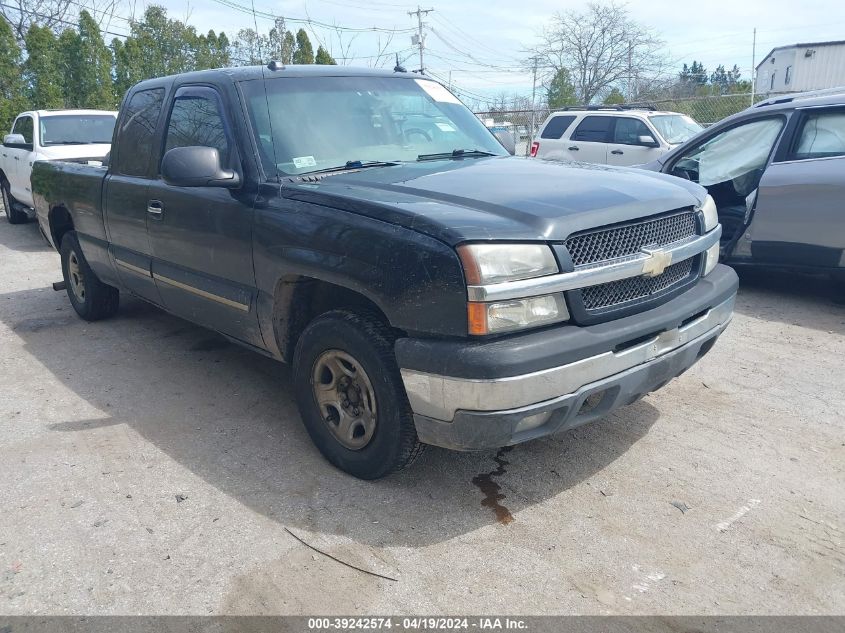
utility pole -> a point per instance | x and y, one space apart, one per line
630 71
753 65
419 38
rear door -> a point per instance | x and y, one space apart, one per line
553 138
125 192
588 141
202 236
800 216
628 146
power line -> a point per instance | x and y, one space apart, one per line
271 16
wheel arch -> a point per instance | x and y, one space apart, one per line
299 299
60 222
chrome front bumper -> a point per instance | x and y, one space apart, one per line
517 408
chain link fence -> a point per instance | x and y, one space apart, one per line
525 124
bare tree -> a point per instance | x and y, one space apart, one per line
22 13
55 14
601 47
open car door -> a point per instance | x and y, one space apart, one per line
730 164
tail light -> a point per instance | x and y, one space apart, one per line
534 147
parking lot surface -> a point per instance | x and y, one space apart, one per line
150 467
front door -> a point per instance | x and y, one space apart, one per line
201 237
18 157
629 146
799 213
125 193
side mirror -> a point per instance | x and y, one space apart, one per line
16 141
507 140
647 140
196 166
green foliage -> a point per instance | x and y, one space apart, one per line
561 91
614 97
304 53
12 100
323 57
288 47
42 71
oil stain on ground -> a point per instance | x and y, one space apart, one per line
492 495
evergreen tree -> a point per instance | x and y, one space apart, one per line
561 91
11 86
615 97
288 48
93 67
42 72
304 53
323 57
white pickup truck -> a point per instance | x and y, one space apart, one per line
70 135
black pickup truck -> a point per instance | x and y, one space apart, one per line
364 226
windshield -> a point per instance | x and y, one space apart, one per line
76 129
675 128
307 124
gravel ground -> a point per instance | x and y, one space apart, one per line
148 466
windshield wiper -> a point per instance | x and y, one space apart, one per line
353 164
455 153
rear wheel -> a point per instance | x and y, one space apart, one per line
351 397
91 298
14 216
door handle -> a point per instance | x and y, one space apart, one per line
618 152
17 157
574 148
155 208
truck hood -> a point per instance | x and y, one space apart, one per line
498 198
95 152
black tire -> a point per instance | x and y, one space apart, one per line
393 444
14 216
97 300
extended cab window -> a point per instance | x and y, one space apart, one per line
628 131
197 119
24 127
594 129
137 132
557 126
822 136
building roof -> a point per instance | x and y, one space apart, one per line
799 45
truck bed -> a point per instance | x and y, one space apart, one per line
73 186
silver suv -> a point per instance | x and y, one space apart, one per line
612 135
777 174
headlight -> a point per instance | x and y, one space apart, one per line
496 263
516 314
711 258
711 214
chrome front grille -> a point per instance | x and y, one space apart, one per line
591 247
614 243
625 290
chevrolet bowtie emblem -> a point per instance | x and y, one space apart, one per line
656 263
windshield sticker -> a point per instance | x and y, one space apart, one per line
304 161
436 91
445 127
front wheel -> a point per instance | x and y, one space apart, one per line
351 397
14 216
91 298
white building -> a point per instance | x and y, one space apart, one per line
801 67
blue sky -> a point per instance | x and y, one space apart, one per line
482 42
